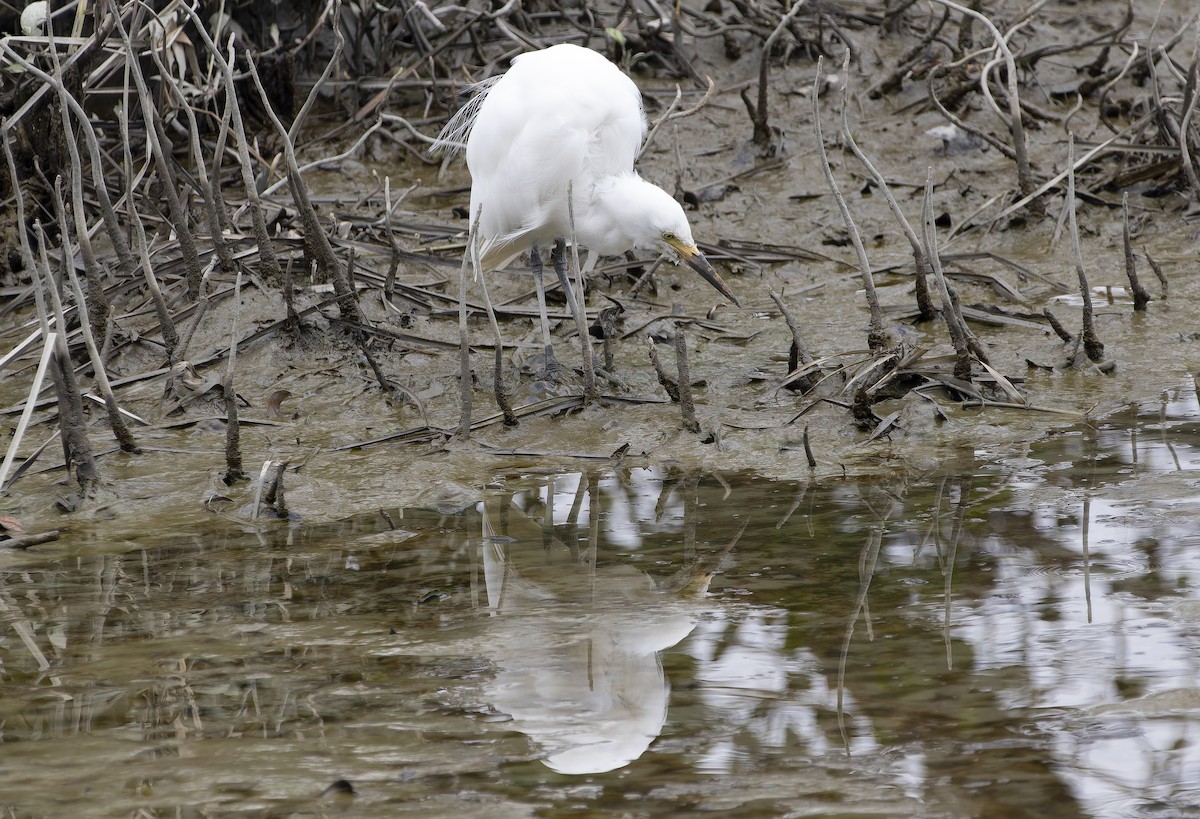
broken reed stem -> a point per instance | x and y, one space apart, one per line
665 380
199 313
389 281
116 422
273 496
808 453
96 301
973 343
112 225
798 354
77 449
1056 326
925 311
1191 95
318 241
48 346
759 112
1158 271
1024 175
962 355
160 147
216 237
233 432
268 262
607 321
1092 345
169 334
1140 297
687 409
877 339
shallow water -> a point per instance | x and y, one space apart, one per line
1019 638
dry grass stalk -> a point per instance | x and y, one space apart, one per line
1140 297
1092 346
953 319
116 422
925 311
877 338
233 449
163 152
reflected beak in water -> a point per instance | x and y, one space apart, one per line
696 261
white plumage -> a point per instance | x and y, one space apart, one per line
565 115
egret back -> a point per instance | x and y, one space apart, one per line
563 114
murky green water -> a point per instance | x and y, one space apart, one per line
1018 639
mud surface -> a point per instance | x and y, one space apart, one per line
748 198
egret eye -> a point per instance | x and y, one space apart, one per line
668 236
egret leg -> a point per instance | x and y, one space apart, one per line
589 371
552 367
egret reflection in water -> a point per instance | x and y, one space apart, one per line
577 644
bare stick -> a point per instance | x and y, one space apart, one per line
1140 297
23 423
925 311
962 355
759 112
1191 96
671 114
220 247
97 303
798 354
167 324
1056 326
1158 271
327 261
268 261
687 409
1091 343
112 224
158 146
1024 175
665 380
120 429
233 450
877 339
78 449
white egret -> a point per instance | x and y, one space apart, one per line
564 122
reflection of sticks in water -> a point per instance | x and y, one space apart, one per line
964 488
869 556
866 570
1087 558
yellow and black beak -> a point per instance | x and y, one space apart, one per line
696 261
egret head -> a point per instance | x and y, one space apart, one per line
655 221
